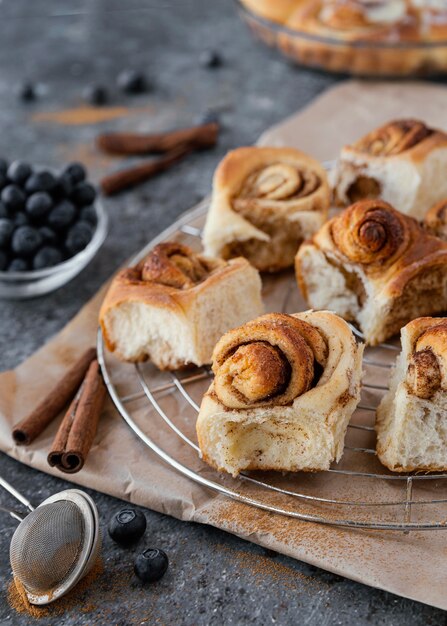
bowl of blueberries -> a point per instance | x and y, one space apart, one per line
51 226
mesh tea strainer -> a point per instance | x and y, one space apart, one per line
55 545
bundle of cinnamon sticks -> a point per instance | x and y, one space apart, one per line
83 387
173 145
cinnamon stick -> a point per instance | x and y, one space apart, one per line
203 136
61 393
123 179
78 428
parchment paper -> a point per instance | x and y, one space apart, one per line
411 565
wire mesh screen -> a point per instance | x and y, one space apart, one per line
161 408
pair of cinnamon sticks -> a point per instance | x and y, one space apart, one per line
83 387
174 145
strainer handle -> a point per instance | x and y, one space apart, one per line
18 496
15 514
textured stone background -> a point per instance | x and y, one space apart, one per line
214 578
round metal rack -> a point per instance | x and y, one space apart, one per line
161 409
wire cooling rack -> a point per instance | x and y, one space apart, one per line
161 408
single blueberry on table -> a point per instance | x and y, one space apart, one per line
48 256
18 265
18 172
132 81
13 197
210 59
75 171
26 240
95 94
38 204
26 91
40 181
151 565
127 526
6 230
62 215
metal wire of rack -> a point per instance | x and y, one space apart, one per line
358 492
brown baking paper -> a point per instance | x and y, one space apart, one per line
411 565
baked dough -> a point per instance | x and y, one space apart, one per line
412 417
435 220
403 162
174 306
284 390
265 202
366 37
375 266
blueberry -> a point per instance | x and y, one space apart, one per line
83 194
208 117
210 59
20 219
13 197
4 211
3 180
18 172
62 215
47 257
18 265
151 565
78 237
3 260
6 230
26 91
127 526
63 187
3 166
48 235
88 214
38 204
26 240
132 81
75 171
40 181
95 94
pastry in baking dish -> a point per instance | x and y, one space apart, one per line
284 390
265 202
375 266
175 304
412 417
403 162
435 220
275 10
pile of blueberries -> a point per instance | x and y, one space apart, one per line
45 218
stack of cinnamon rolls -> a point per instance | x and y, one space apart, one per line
285 386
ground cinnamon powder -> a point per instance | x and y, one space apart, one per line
18 600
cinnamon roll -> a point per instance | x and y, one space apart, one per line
402 163
265 202
175 304
375 266
412 417
285 387
435 220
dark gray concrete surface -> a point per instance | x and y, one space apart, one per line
214 578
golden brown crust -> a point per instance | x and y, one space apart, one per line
129 285
265 202
435 221
267 362
274 10
392 248
393 138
